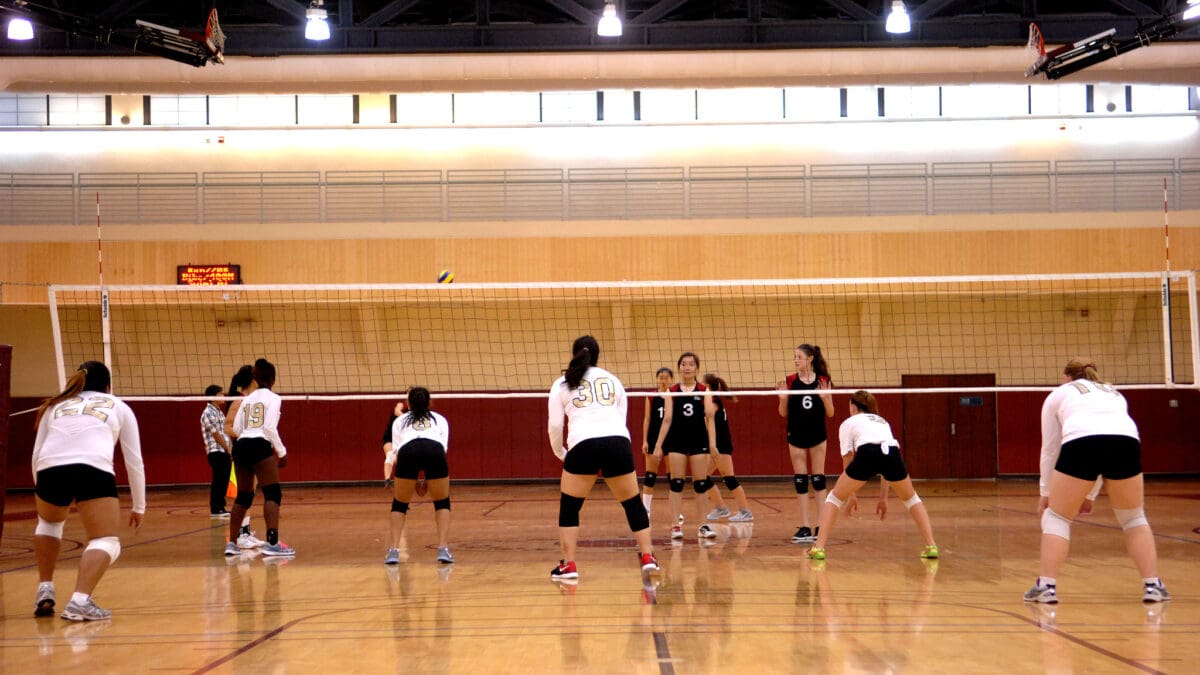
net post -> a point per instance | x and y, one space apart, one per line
1194 320
56 331
5 404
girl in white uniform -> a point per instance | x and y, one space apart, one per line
259 453
1086 433
240 385
420 438
73 462
870 449
593 401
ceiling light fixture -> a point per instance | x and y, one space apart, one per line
1190 13
898 21
20 29
317 26
610 23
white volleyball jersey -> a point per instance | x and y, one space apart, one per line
434 429
595 409
1076 409
83 430
866 429
258 417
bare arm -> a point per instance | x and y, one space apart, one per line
783 399
826 399
231 417
668 415
646 428
710 423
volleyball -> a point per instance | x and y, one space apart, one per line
445 277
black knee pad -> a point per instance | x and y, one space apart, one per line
801 480
818 481
244 499
677 484
651 479
273 493
701 486
399 506
441 504
731 483
635 513
568 510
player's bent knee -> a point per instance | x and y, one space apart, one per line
731 483
399 506
912 501
833 499
568 510
1131 518
677 484
651 479
1055 524
818 481
244 499
635 513
441 504
48 529
800 480
273 493
110 545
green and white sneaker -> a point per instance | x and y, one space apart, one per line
930 551
816 553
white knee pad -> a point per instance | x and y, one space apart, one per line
1054 524
110 545
912 501
47 529
832 499
1131 518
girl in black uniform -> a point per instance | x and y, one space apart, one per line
656 411
689 438
806 433
723 462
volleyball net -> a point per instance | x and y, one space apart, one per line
512 340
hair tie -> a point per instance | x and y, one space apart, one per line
584 349
83 370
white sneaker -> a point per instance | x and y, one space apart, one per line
85 612
705 532
718 513
1047 595
249 541
742 516
1155 593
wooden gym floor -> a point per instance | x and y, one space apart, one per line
750 602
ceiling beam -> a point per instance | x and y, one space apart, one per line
572 9
289 6
852 9
388 12
656 13
1136 8
928 9
118 10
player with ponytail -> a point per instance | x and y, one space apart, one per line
421 438
806 434
593 402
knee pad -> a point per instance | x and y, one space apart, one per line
110 545
1054 524
801 481
568 510
701 486
1131 518
677 484
399 506
651 479
441 504
273 493
912 501
244 499
731 483
818 481
47 529
635 513
832 499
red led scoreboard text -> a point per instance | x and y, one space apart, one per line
208 275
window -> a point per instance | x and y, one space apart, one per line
251 111
740 105
668 105
497 108
424 109
912 102
314 110
70 110
1058 99
813 103
862 103
1151 99
986 100
22 110
618 105
179 111
564 107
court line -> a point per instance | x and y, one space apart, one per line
1077 521
1077 640
487 513
663 652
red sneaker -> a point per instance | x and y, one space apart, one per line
565 570
649 562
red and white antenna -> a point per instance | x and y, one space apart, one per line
105 326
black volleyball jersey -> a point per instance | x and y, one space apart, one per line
806 413
721 419
687 430
658 408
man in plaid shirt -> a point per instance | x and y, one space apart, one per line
216 443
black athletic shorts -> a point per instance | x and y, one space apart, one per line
808 438
61 485
250 451
1114 457
610 456
422 454
870 461
687 451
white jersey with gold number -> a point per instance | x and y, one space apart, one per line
83 430
258 417
595 409
435 429
866 429
1076 409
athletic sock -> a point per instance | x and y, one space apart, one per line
1047 581
80 598
272 537
1152 581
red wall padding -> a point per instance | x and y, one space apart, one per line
503 439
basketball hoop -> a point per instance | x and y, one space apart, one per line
214 37
1036 48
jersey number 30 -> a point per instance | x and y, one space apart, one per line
602 391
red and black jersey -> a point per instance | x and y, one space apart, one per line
687 430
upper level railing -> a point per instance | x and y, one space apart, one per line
633 193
